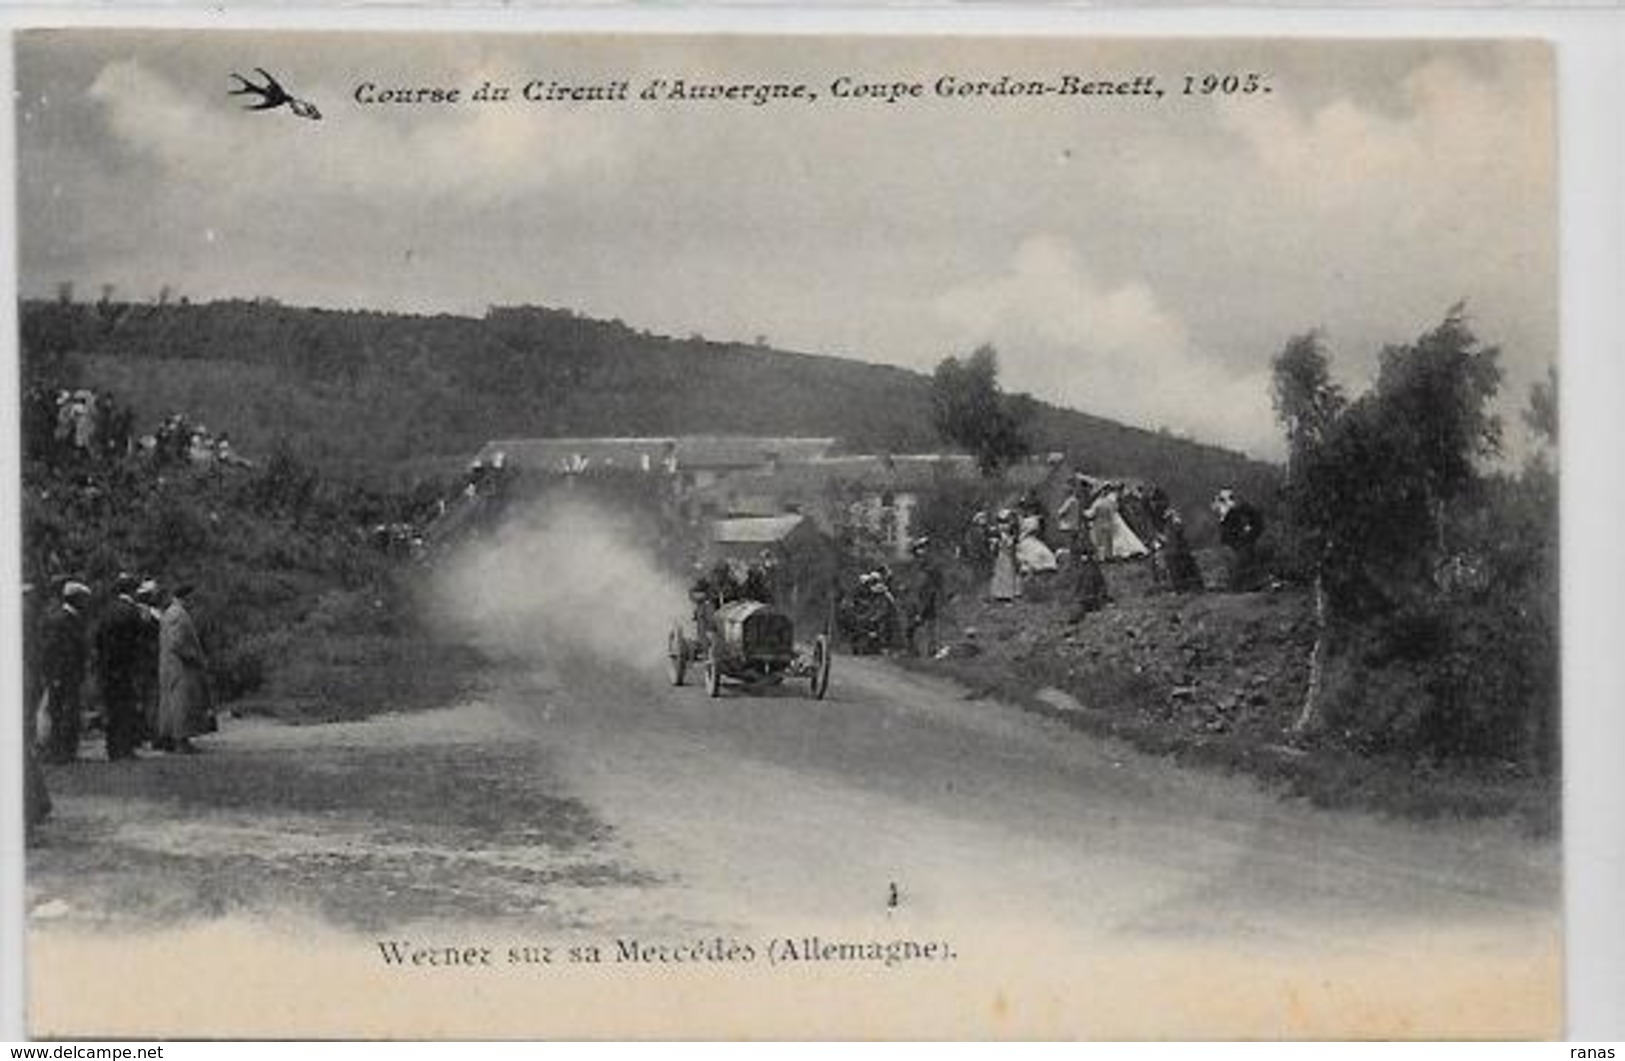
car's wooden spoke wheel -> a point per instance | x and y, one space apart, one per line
676 656
820 667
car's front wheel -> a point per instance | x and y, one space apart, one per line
713 675
676 656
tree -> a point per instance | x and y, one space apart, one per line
1434 397
1306 400
1542 412
1436 571
969 410
1375 487
1307 403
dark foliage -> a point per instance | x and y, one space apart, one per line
1441 576
391 398
970 411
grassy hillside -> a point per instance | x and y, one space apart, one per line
367 393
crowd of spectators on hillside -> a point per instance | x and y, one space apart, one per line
63 427
82 424
1010 550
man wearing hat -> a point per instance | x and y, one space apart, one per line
185 706
63 659
1069 516
118 665
150 596
1241 524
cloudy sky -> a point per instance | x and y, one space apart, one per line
1141 259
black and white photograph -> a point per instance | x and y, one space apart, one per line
823 536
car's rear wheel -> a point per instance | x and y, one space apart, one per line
820 666
676 655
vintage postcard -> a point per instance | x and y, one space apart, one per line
611 535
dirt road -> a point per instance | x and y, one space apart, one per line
1059 875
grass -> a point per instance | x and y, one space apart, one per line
358 653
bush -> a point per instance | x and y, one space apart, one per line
237 673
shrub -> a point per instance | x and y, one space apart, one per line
238 672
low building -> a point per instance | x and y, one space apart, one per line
804 565
748 537
879 493
696 460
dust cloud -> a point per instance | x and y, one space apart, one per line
563 581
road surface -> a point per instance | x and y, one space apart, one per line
1065 885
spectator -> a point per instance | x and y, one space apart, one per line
200 448
1089 592
1006 582
1176 567
119 640
1069 518
1113 539
64 658
1032 555
36 798
84 421
926 598
151 599
976 547
1240 527
185 706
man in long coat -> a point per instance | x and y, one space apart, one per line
1241 524
185 706
64 655
149 595
118 664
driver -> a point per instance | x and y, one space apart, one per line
758 584
708 590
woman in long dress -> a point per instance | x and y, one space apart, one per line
1006 585
1113 538
1032 555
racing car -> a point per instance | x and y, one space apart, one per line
747 642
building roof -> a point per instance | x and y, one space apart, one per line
876 473
754 530
691 451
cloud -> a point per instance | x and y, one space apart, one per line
1166 259
477 154
1443 155
1399 211
1108 349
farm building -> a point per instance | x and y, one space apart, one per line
697 460
804 562
880 493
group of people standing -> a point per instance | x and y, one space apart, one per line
179 441
62 425
146 661
889 610
77 427
1099 521
1015 536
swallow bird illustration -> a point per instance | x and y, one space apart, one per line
272 95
